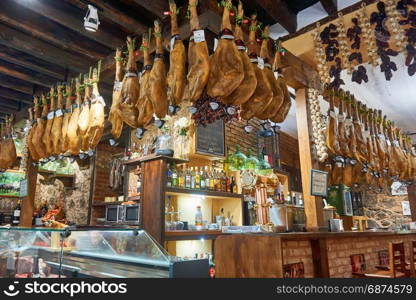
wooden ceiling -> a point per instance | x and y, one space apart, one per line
44 41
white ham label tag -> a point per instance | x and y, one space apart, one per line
260 62
51 115
332 114
98 99
388 142
117 85
199 36
348 122
172 42
340 118
215 44
59 113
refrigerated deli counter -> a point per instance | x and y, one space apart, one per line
90 253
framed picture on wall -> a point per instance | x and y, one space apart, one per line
10 183
319 183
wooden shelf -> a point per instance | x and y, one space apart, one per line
137 161
67 180
101 203
208 193
183 235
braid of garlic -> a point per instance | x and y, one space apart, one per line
344 47
368 35
322 66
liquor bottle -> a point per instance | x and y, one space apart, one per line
181 179
198 216
35 270
233 187
223 181
187 179
16 214
212 180
217 182
202 179
174 176
192 174
228 183
206 175
197 179
169 176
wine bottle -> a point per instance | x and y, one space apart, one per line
197 179
16 214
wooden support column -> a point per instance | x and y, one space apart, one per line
411 194
28 203
313 205
153 198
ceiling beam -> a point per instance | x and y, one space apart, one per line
25 74
14 95
16 84
280 13
330 6
7 110
111 12
71 17
30 62
9 103
156 7
49 31
13 38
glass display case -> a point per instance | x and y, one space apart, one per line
104 253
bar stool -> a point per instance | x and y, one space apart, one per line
397 263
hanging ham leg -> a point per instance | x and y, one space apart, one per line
33 115
272 108
37 138
176 78
247 87
2 156
283 110
130 88
198 58
263 94
115 114
56 130
47 134
96 128
84 116
67 117
8 147
157 77
226 65
145 103
74 135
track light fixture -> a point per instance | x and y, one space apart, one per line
91 20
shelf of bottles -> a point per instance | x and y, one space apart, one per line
200 181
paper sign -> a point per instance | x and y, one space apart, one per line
23 188
51 115
260 63
199 36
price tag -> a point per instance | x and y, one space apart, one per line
199 36
51 115
332 114
117 85
172 42
215 44
58 113
340 118
260 62
348 122
388 142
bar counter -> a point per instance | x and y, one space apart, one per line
323 254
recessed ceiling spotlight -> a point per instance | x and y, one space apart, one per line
91 20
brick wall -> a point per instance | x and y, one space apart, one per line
104 157
298 251
340 250
235 135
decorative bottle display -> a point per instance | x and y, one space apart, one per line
200 178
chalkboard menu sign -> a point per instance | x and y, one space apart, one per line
319 183
210 140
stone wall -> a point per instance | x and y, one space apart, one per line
386 210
